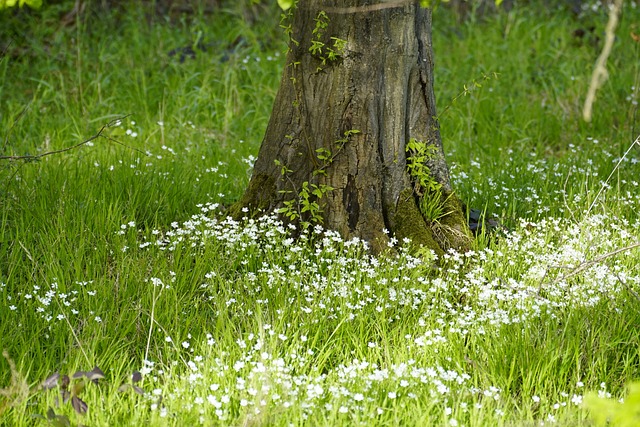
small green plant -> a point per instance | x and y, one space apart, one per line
418 155
428 190
309 194
433 207
286 21
306 203
71 387
325 53
326 156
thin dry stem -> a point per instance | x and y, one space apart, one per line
86 141
605 183
586 264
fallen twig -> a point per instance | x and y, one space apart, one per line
86 141
586 264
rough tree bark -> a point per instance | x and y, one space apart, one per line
381 85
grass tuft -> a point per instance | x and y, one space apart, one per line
117 253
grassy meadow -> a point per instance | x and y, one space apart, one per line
118 255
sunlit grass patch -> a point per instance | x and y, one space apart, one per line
119 255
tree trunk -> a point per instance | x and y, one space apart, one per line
343 120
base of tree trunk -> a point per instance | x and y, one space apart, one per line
356 95
449 232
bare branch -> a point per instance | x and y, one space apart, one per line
586 264
86 141
605 183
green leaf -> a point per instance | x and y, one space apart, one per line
285 4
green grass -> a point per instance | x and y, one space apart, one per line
118 254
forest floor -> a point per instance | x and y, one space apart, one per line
119 267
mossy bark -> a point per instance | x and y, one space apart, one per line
381 85
452 230
411 224
258 197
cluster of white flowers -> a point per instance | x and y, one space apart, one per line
547 180
54 303
257 375
318 278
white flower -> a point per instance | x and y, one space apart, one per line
213 401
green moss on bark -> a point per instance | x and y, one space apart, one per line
258 197
410 223
452 230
